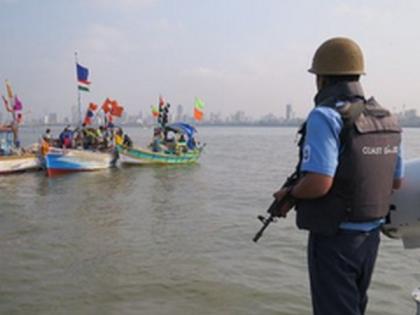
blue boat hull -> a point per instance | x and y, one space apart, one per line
69 161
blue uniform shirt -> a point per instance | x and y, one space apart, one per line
321 152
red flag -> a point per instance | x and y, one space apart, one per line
107 105
87 121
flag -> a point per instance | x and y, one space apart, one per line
93 106
112 107
82 78
198 109
116 109
6 104
155 111
90 113
198 115
107 105
9 90
87 121
18 104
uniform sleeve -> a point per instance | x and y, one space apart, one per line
399 168
322 144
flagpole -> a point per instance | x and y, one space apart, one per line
11 101
79 102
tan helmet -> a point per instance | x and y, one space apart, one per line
338 56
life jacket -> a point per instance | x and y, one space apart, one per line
362 185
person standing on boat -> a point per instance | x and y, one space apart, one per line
119 137
66 138
350 161
47 135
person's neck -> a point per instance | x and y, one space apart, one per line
339 91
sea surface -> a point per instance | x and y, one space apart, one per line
173 240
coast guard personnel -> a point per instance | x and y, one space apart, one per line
350 163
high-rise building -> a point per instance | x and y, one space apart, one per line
50 119
289 112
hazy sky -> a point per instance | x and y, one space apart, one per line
234 54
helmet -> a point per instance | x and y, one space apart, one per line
338 56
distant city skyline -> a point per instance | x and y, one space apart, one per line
237 55
407 117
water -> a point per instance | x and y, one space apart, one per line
172 240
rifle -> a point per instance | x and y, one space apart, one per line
276 204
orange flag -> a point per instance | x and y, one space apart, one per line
155 111
116 109
107 105
93 106
112 107
198 109
198 115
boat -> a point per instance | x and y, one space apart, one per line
166 152
63 161
138 155
71 155
12 158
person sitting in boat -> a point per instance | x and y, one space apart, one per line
156 144
181 145
99 138
66 138
89 138
106 137
128 143
77 138
169 141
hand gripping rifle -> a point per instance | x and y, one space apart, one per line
275 206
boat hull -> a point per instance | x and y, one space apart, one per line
141 156
19 163
64 161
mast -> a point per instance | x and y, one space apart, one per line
79 101
14 124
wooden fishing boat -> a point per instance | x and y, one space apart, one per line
13 159
64 161
19 163
162 151
141 156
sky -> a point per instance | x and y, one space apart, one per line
245 55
